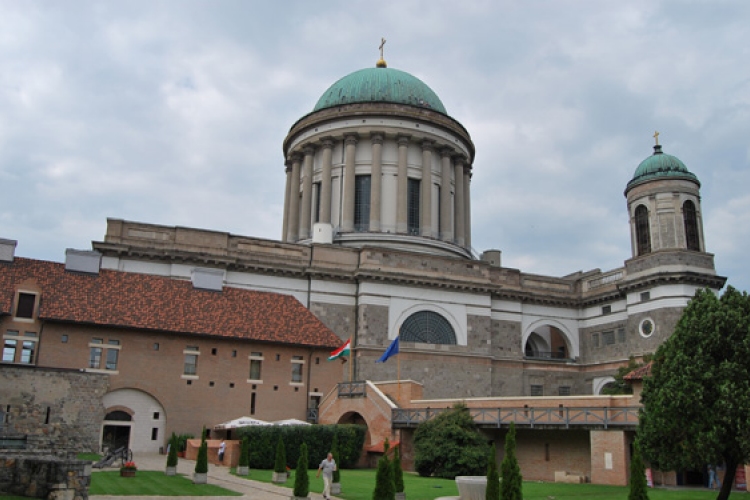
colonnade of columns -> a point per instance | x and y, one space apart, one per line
454 212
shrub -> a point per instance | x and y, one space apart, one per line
384 487
301 479
493 478
511 487
201 463
398 473
637 476
335 452
244 452
450 445
172 453
280 463
182 441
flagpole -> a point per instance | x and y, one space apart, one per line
351 363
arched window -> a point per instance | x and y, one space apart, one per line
427 327
118 415
642 233
691 226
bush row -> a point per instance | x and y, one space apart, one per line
319 438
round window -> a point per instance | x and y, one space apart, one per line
647 327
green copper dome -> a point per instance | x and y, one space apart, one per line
661 166
380 85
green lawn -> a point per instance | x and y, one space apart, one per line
151 483
359 484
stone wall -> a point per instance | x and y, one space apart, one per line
56 409
44 476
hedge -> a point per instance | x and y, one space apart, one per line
319 438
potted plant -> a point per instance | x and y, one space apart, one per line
243 468
172 456
128 469
201 463
301 479
182 444
398 474
336 479
279 467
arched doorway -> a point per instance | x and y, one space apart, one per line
352 417
134 419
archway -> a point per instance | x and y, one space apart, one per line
135 418
547 342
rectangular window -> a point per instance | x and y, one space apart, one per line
607 310
256 363
621 335
362 203
608 337
595 339
27 352
412 205
252 403
564 390
9 350
316 201
537 390
154 433
112 355
297 364
64 339
191 364
26 302
645 296
95 357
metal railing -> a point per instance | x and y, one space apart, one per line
562 417
312 415
352 389
555 355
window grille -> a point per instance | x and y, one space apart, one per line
427 327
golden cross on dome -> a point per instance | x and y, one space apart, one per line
656 136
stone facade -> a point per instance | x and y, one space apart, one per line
38 475
56 409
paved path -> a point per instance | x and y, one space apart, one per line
218 476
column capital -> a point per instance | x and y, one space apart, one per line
377 137
308 149
351 138
327 142
428 145
294 158
459 159
403 139
447 151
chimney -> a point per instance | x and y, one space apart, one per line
82 261
492 257
7 250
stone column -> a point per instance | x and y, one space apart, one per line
293 228
350 144
402 183
304 227
467 206
446 208
426 208
459 200
325 181
376 180
287 189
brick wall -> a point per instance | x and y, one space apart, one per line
610 457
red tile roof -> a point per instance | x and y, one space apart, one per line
639 373
142 301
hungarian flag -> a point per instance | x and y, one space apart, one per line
344 350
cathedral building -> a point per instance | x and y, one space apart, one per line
376 243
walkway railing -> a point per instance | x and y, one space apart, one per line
352 389
564 417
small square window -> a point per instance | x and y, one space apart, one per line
213 351
564 390
211 384
537 390
276 388
189 382
64 339
621 335
645 296
234 353
607 310
156 346
317 361
156 415
296 389
278 357
231 385
608 337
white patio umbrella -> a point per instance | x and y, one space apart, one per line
241 422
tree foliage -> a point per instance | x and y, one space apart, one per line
450 445
335 452
620 386
638 485
301 478
244 452
384 486
201 462
172 454
493 477
511 487
279 465
696 403
398 472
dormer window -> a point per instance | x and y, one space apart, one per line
26 305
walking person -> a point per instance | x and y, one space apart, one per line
712 479
327 466
222 449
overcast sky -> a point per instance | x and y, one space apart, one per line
174 112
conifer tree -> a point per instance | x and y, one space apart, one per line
280 464
384 486
398 473
301 479
172 454
511 487
493 477
638 485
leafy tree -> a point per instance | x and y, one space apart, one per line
244 452
398 472
280 463
172 454
696 403
336 478
638 485
511 486
384 486
493 477
301 479
620 386
450 445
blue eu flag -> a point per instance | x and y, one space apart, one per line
391 351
